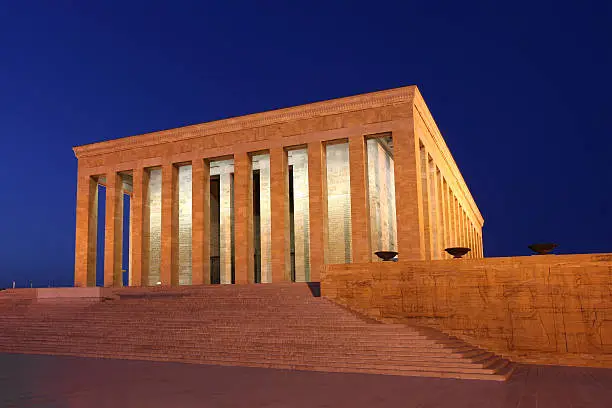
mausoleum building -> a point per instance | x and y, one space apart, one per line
273 196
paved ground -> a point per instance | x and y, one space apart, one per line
47 381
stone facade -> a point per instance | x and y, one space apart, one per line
542 309
334 182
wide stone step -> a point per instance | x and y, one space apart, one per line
190 323
245 353
274 326
472 356
241 345
325 354
501 375
293 332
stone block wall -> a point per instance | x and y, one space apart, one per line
545 309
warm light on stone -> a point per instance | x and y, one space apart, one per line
381 179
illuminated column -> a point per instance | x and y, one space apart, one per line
441 215
281 267
318 208
448 232
473 242
468 234
243 232
200 246
265 215
468 231
138 227
452 218
298 159
113 237
435 211
426 200
408 193
464 228
461 226
169 228
86 231
457 223
481 244
360 212
224 204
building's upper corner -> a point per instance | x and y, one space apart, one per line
391 96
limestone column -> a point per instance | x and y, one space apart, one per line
473 242
481 240
86 231
435 210
452 218
113 237
169 232
139 227
458 223
200 241
317 183
281 267
360 209
468 232
448 233
426 200
461 227
441 213
408 193
243 224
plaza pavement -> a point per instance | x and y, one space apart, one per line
54 381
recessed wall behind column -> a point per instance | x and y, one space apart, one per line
338 203
381 194
185 223
154 228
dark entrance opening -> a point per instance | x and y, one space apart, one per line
291 224
256 227
215 231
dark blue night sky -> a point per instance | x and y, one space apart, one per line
520 90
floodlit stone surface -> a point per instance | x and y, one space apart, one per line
545 309
413 214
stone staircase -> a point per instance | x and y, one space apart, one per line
272 325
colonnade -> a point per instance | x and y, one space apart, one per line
446 221
343 208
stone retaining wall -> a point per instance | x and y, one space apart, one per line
547 309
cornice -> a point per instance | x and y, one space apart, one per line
307 111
